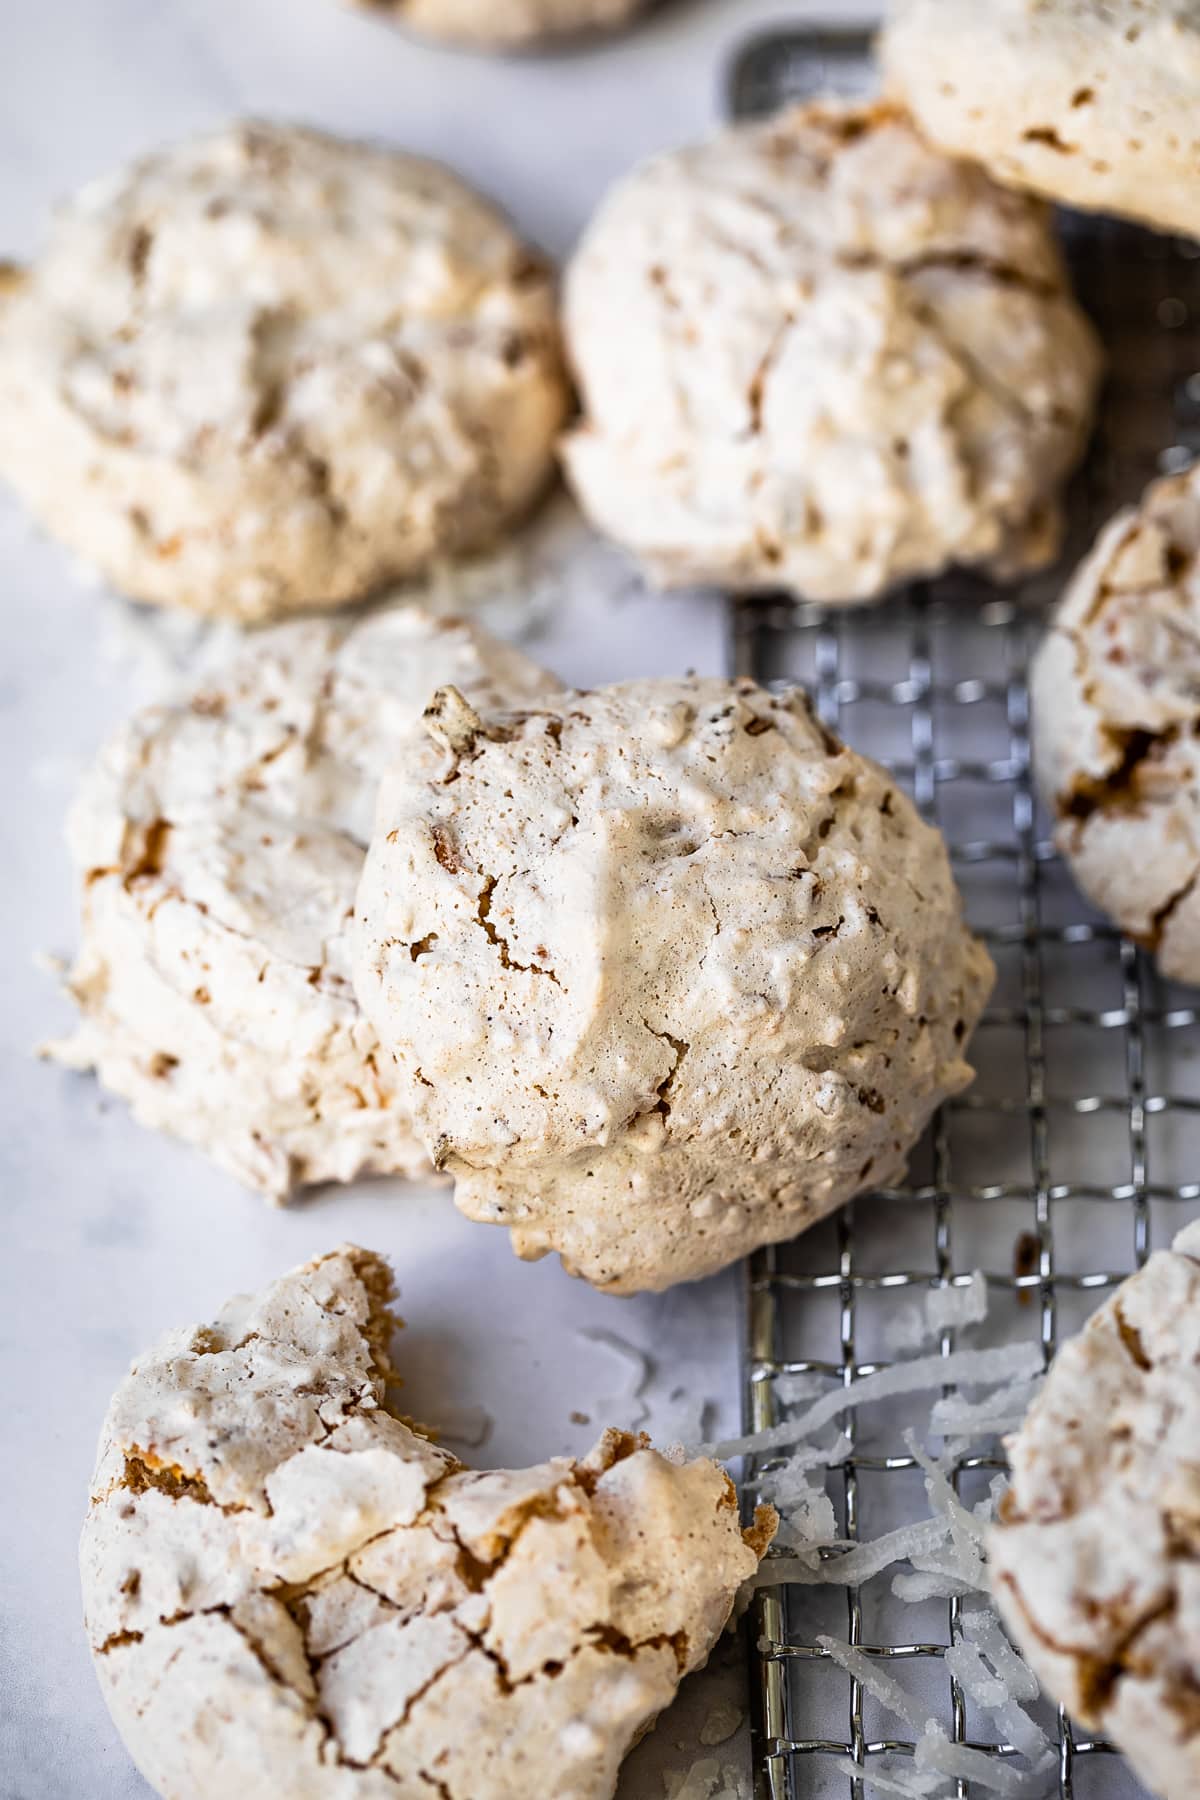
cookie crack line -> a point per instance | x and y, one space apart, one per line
663 1090
1116 790
483 917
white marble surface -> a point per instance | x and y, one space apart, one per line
112 1234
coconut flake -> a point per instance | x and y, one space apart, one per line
888 1775
950 1306
795 1390
881 1686
859 1562
1007 1362
926 1586
955 1417
989 1692
807 1522
935 1752
983 1628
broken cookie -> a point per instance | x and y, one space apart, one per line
669 971
291 1591
1095 1558
1116 709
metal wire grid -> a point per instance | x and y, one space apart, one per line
1073 1153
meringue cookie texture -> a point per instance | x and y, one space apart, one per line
1095 1558
1116 710
816 353
668 971
218 841
268 369
289 1590
1090 102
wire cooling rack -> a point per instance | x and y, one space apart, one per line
1077 1150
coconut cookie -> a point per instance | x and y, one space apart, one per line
267 369
1116 702
289 1590
844 361
219 840
669 972
507 24
1095 1560
1092 102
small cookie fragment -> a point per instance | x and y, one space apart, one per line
669 972
843 361
1095 1558
1090 102
218 841
290 1591
507 24
1116 708
268 369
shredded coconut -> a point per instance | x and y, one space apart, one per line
984 1629
948 1307
924 1586
936 1753
881 1686
1007 1362
955 1418
794 1390
859 1561
888 1775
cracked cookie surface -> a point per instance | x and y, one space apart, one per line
1116 711
844 361
669 972
268 369
1095 1559
290 1590
506 24
1091 102
218 841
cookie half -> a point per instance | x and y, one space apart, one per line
818 354
1095 1560
268 369
218 842
1092 102
668 971
290 1590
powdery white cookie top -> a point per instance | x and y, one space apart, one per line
1092 102
218 841
843 360
1095 1561
669 972
1116 703
289 1590
267 369
507 24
